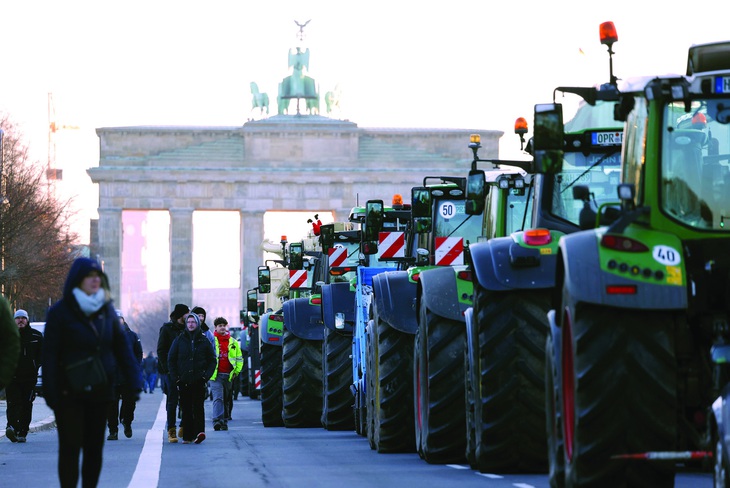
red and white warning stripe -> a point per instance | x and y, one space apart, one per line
257 379
338 256
392 245
297 278
449 251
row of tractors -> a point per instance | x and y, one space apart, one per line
565 314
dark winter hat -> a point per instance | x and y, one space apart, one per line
21 313
199 310
180 310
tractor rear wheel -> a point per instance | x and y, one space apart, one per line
511 329
556 461
337 378
271 394
391 393
619 395
440 413
301 381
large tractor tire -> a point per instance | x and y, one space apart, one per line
470 404
243 376
553 417
271 394
511 330
301 381
390 396
371 348
438 372
337 378
619 395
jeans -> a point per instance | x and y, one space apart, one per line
221 388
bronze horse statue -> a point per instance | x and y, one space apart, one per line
260 100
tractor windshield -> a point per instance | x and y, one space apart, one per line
695 169
450 220
592 158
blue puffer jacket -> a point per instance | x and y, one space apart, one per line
71 336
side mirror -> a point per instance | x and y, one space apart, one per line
422 225
476 192
547 140
264 279
327 237
420 202
373 219
295 255
251 301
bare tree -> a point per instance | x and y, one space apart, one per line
148 320
36 244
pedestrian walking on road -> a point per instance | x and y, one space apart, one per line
201 313
9 343
83 347
149 368
123 393
168 333
228 367
191 362
20 392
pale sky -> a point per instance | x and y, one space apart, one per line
466 64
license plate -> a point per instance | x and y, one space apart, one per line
613 138
722 84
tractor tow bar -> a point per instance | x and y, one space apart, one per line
666 455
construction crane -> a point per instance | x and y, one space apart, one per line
53 174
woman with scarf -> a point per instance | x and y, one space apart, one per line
83 328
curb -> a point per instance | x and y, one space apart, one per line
47 423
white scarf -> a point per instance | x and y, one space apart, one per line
90 303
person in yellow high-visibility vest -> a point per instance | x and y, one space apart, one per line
228 366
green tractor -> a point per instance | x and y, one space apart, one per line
639 303
514 280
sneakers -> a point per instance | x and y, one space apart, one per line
21 438
200 438
171 437
113 436
217 426
10 434
180 432
127 430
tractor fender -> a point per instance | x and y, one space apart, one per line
437 290
586 282
395 296
338 298
271 331
492 264
303 320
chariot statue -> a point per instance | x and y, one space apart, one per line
298 85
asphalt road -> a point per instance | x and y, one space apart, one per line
247 455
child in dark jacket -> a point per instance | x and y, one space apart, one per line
191 362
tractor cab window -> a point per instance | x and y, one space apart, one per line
695 165
451 220
592 158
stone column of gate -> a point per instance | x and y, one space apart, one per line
252 234
181 256
110 248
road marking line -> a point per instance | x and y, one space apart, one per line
522 485
458 466
491 476
147 472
